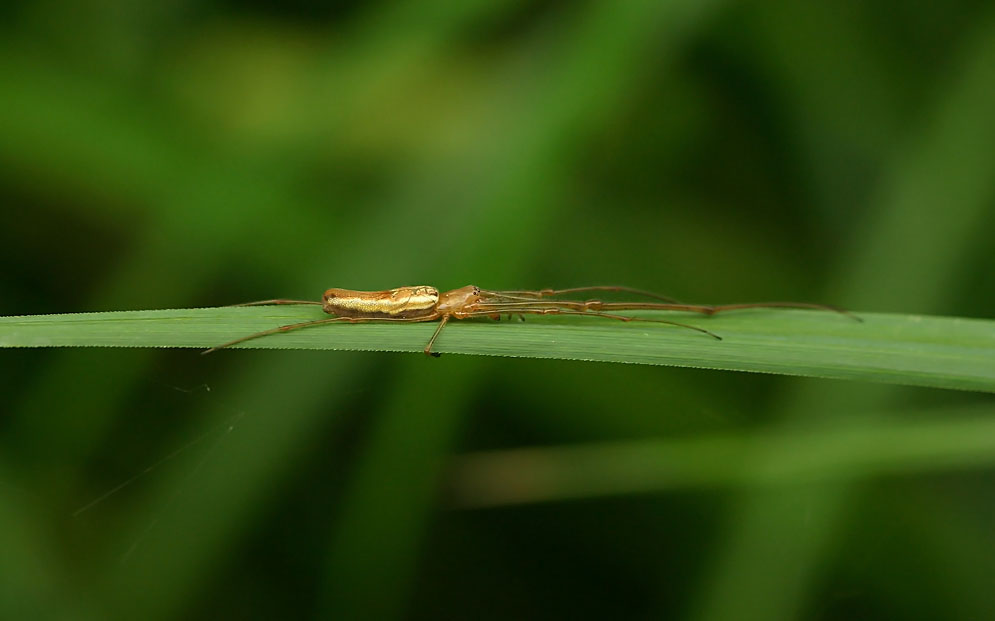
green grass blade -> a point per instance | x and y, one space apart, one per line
955 439
940 352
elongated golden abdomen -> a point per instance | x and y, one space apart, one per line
400 303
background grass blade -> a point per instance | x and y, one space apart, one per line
904 349
948 439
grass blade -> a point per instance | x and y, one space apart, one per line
957 439
941 352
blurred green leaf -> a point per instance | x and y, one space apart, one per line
941 352
812 456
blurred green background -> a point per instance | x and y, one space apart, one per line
176 154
